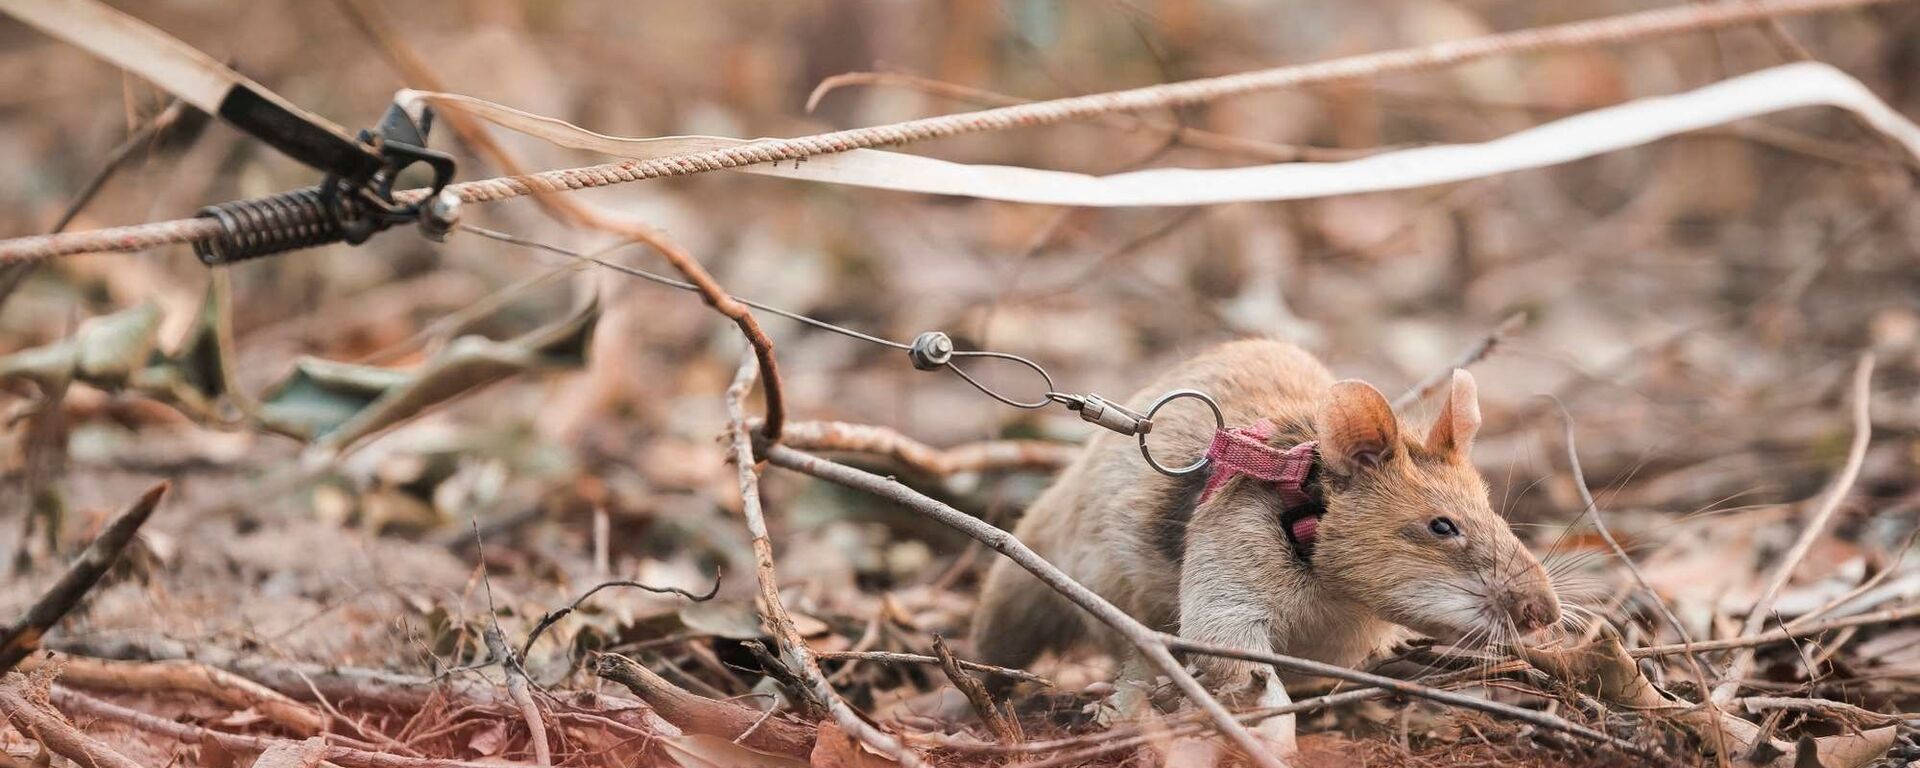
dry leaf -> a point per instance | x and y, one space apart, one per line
697 750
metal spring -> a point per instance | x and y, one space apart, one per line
263 226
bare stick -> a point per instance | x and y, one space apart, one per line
1790 632
1151 644
984 456
520 690
561 613
1837 709
697 714
1862 390
1592 510
1403 687
184 676
346 757
1474 354
36 722
23 636
772 610
889 657
1004 728
1190 723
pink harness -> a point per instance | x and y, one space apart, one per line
1244 451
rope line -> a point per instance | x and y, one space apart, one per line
1613 29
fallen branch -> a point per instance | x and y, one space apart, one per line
697 714
1862 390
984 456
77 703
364 688
35 721
1189 724
1835 709
561 613
519 690
185 677
1789 632
1591 509
1000 723
302 682
1407 688
1151 644
23 636
792 644
889 657
1603 669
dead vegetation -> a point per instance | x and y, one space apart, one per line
462 504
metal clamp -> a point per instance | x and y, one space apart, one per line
349 206
1219 423
1107 414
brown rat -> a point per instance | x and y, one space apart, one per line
1406 536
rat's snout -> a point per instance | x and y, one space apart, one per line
1530 601
1534 611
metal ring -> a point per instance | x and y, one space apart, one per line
1219 423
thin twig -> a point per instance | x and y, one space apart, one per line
1591 509
1474 354
499 651
557 614
347 757
774 611
1406 688
1862 390
998 722
520 689
983 456
889 657
1152 645
693 713
23 636
1790 632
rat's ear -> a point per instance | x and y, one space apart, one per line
1357 427
1459 420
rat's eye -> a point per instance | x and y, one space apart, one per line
1443 527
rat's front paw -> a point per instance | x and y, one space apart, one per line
1230 680
1276 732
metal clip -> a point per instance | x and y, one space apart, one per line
1219 423
1107 414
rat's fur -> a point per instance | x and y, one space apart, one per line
1223 572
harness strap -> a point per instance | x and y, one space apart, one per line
1244 451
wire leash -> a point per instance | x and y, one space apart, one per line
930 351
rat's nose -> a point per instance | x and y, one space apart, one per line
1533 612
